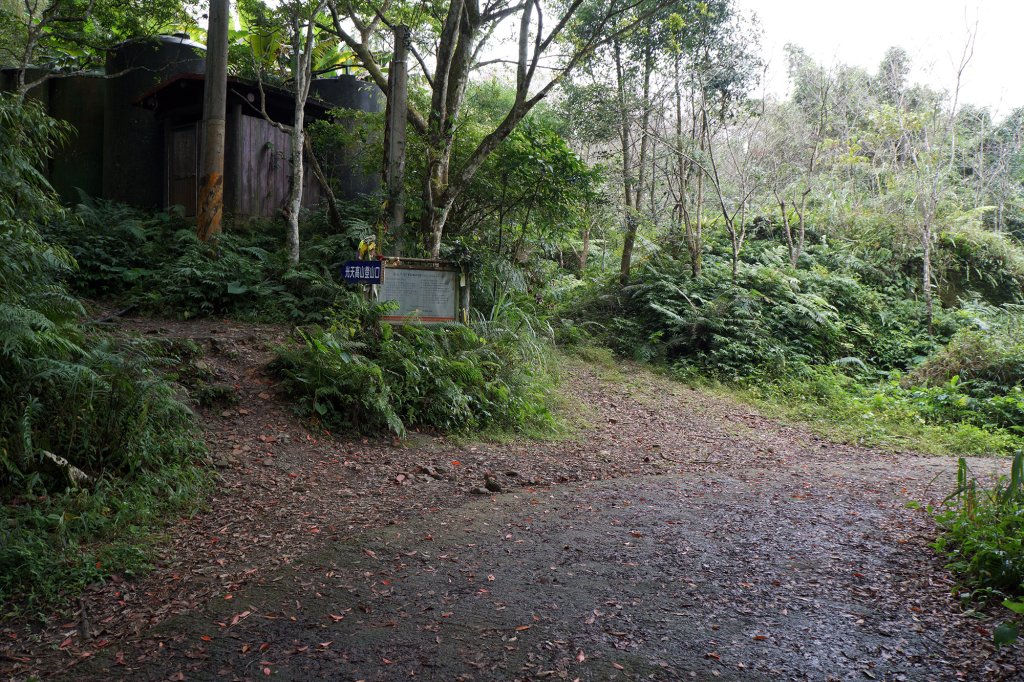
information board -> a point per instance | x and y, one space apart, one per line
424 295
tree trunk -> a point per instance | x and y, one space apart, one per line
332 201
395 145
627 247
697 241
215 95
926 273
624 142
801 216
786 229
585 249
294 205
302 51
633 203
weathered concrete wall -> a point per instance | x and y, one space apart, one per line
78 165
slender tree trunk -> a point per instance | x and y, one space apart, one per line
926 274
294 205
585 249
633 203
787 230
302 51
627 184
325 184
697 241
801 216
395 145
929 211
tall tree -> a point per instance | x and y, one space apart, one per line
455 36
797 132
215 98
300 24
70 37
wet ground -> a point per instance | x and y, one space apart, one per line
658 578
676 536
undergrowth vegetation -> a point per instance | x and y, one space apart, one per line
838 341
983 542
347 369
984 533
360 374
94 444
153 263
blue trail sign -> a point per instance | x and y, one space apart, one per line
363 272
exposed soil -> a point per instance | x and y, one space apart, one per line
677 535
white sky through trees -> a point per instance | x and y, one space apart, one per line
858 32
933 33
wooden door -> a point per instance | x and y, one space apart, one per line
183 167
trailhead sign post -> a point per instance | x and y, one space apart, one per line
426 291
363 272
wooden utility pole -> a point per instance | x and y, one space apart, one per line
394 150
215 96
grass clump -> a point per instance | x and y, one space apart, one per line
875 413
983 534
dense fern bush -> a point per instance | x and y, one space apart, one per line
770 319
155 263
989 356
839 338
973 260
359 374
68 395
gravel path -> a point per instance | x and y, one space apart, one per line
676 535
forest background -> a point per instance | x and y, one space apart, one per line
614 178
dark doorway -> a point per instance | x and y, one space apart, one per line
183 167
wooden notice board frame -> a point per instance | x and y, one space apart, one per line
427 291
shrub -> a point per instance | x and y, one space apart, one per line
359 374
155 263
983 533
769 319
991 360
72 404
979 262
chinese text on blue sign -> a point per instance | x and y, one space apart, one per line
363 271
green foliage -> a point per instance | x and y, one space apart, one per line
975 262
52 546
359 374
876 413
978 377
983 533
827 342
155 262
67 395
770 319
990 359
74 35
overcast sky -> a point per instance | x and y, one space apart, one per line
858 32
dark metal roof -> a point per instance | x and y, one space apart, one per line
185 91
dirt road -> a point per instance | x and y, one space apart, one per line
675 536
